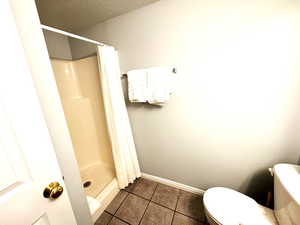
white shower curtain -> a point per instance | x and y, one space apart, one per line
123 147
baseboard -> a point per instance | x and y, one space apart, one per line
173 184
105 197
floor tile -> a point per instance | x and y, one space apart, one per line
116 221
130 187
157 215
144 188
132 209
115 204
180 219
166 196
191 205
104 219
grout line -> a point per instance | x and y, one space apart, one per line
154 191
198 220
139 180
112 216
121 203
148 203
157 203
122 220
162 205
110 220
176 206
108 212
144 213
173 217
173 211
139 196
178 197
152 200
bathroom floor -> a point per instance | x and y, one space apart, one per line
148 203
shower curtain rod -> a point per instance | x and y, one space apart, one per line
71 35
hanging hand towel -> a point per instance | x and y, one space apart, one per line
159 85
137 85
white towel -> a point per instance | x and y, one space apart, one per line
159 85
137 85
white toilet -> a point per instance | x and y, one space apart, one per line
224 206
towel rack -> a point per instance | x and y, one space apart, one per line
174 70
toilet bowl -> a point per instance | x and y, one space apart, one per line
224 206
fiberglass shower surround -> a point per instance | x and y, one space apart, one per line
79 87
75 80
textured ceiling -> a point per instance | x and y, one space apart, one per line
74 15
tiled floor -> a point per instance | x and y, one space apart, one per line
148 203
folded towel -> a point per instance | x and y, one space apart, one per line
137 85
159 85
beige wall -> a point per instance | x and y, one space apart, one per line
236 106
79 86
58 45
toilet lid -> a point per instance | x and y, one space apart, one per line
229 207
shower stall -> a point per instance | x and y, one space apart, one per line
93 104
79 87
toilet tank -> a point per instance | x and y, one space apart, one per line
287 194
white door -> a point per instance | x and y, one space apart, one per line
27 159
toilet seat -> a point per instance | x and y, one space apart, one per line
229 207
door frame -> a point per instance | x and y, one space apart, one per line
28 24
